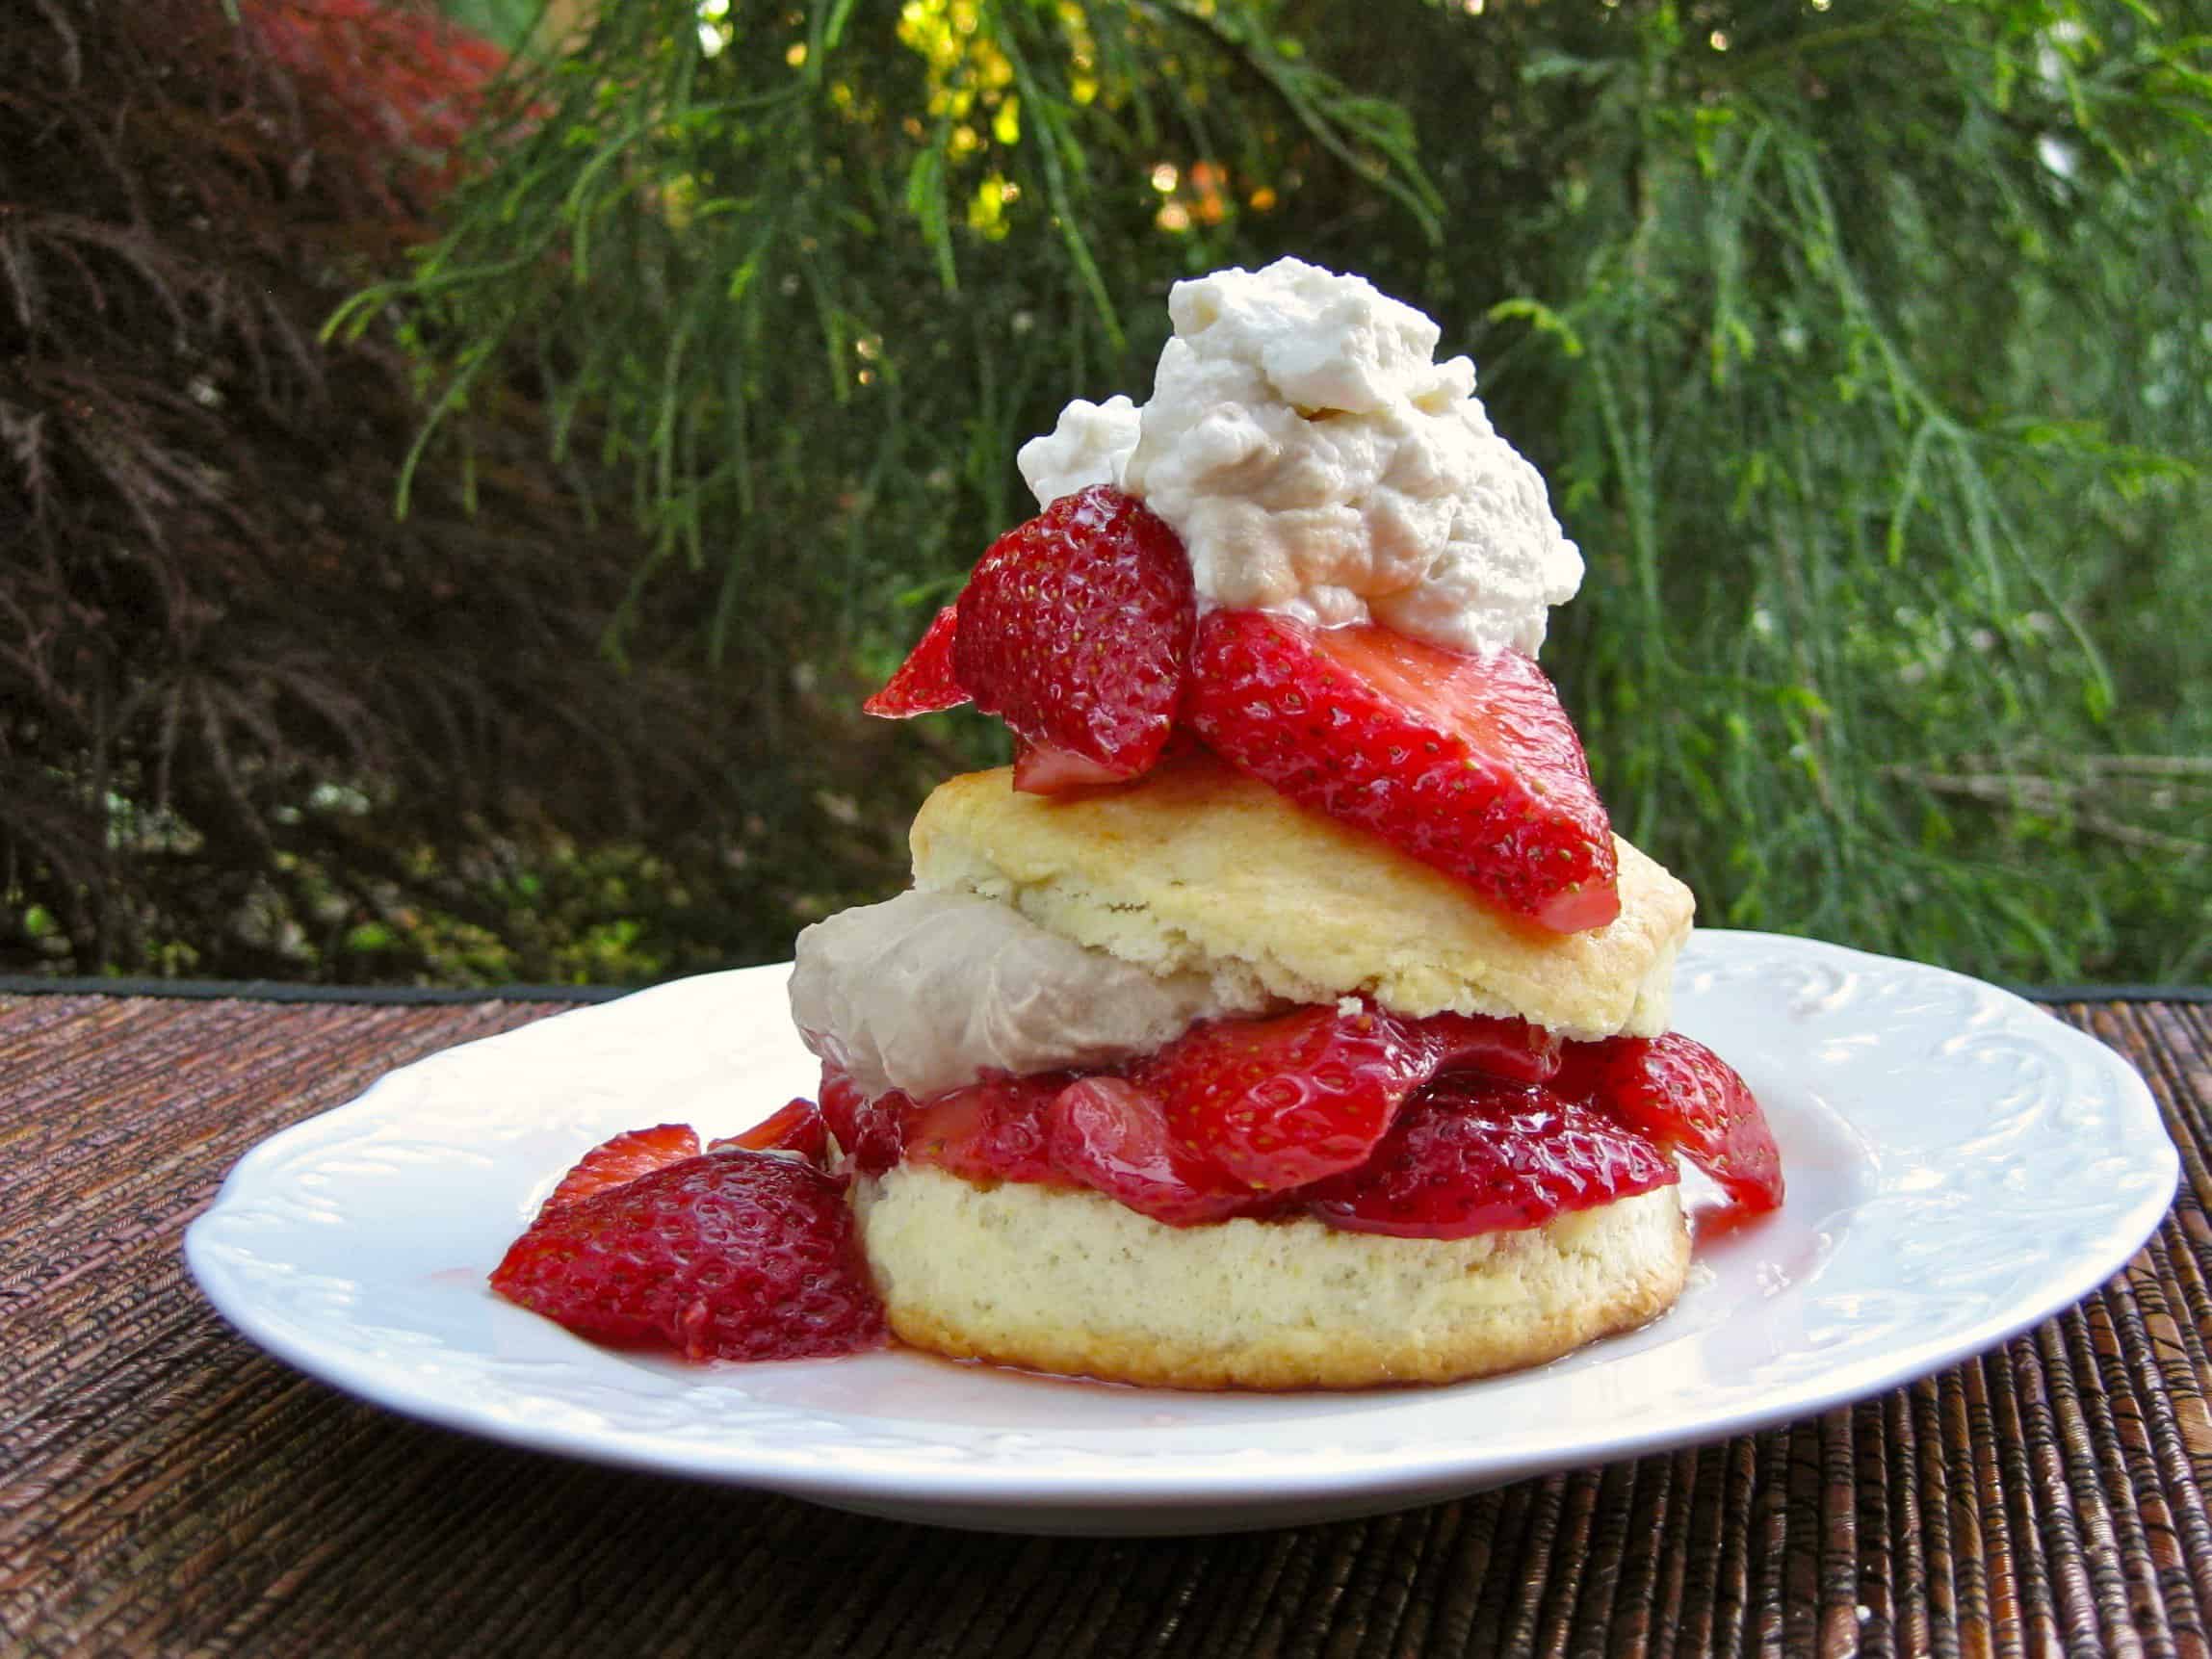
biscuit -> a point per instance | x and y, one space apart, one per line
1197 867
1072 1283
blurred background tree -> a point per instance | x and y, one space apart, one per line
250 724
1865 349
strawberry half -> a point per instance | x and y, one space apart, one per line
1483 1154
623 1160
1075 630
729 1255
924 683
1688 1099
1467 763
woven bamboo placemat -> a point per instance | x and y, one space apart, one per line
166 1489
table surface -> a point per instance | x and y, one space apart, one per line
165 1488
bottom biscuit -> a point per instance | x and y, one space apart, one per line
1072 1283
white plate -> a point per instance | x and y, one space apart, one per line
1961 1165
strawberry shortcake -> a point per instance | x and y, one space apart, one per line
1182 1083
1287 1014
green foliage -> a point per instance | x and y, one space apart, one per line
809 277
1866 353
1873 377
509 23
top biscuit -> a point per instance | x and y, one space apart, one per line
1198 868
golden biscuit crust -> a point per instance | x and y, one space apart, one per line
1196 867
1072 1283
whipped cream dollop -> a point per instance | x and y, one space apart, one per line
1318 461
928 991
1090 445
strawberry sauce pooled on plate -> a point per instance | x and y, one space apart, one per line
1303 588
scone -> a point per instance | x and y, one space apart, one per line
1074 1284
1200 869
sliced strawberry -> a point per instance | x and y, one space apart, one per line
624 1158
1076 630
1511 1049
730 1255
1467 763
1688 1099
991 1131
797 1128
1582 1069
1112 1136
1287 1099
924 683
1481 1154
871 1133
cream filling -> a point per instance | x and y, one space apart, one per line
929 991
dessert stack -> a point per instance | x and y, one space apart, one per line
1287 1014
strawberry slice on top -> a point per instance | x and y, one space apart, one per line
1467 763
1075 630
924 683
